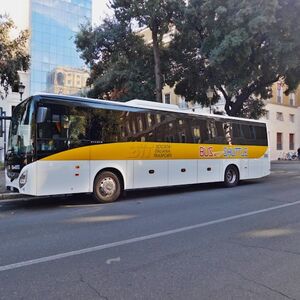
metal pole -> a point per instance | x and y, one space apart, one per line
4 131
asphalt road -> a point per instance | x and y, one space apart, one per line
196 242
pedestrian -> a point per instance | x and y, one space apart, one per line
298 152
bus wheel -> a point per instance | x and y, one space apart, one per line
107 187
231 177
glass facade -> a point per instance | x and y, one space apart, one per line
54 24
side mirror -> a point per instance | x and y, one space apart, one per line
41 114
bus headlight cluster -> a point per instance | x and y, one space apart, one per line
23 179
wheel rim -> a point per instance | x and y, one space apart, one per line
231 176
107 187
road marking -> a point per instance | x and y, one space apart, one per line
139 239
117 259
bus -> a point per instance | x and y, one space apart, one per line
66 145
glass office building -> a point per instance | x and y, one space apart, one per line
54 24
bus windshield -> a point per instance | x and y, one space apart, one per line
21 131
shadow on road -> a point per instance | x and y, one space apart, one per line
134 195
40 203
164 191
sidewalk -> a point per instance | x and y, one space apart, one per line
2 182
282 161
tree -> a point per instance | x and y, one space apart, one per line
13 55
120 62
240 48
158 16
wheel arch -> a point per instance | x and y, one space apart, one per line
232 165
115 171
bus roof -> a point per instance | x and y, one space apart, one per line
136 103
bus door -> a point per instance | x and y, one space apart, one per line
63 162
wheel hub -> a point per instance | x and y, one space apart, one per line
231 176
107 186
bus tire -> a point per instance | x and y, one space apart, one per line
231 176
107 187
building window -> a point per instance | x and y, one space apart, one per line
60 78
292 141
292 99
279 140
167 98
279 116
292 118
279 92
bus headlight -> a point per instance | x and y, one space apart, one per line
23 179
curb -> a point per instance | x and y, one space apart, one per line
278 162
14 196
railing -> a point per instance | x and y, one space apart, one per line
288 156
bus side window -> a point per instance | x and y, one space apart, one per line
228 133
171 132
196 135
199 130
261 136
99 124
77 126
159 129
184 130
247 134
237 134
212 131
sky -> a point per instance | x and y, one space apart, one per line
100 10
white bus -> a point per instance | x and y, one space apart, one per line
66 145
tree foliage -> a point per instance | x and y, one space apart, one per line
13 55
238 47
119 60
158 16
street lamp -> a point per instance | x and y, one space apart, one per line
209 95
21 89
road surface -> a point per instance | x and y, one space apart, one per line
192 242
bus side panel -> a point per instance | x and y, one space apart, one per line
129 180
259 167
266 166
30 187
182 172
97 165
209 170
62 177
150 173
243 165
255 168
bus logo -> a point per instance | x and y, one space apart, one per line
206 152
236 152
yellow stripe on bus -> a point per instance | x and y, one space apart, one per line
158 151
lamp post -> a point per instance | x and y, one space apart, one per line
209 95
21 89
